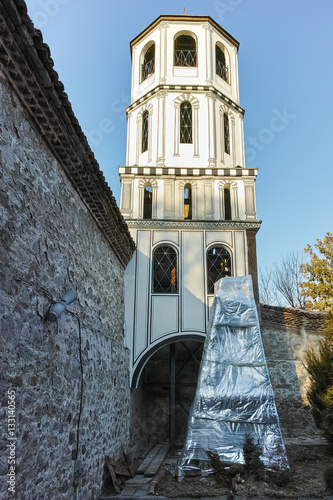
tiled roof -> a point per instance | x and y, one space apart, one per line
28 67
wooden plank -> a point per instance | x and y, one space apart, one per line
151 455
157 461
140 450
113 475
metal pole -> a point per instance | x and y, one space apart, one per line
172 393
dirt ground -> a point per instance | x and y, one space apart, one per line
307 466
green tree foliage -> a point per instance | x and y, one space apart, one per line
317 286
253 462
320 392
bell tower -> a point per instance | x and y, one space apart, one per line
186 193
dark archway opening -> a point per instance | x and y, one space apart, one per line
167 386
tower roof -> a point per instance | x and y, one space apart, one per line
184 18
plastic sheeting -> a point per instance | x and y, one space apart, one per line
234 395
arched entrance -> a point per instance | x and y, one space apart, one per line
167 387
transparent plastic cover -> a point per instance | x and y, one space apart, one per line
234 395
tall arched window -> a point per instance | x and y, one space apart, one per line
165 270
187 202
148 202
185 123
221 65
148 63
218 265
145 128
185 51
227 204
226 133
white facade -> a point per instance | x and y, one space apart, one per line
185 135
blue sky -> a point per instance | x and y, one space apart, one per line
285 67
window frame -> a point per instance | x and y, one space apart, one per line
147 185
189 51
145 131
210 286
176 256
182 106
226 76
226 133
190 211
147 48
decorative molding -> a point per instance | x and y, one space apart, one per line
190 224
237 172
200 89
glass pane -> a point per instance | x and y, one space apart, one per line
145 122
165 270
221 67
187 202
185 51
226 134
227 204
148 202
148 65
218 265
185 123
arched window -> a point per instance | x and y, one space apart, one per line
226 133
165 270
227 204
185 51
148 202
148 63
187 202
145 127
221 65
218 265
185 123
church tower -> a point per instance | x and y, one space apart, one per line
186 193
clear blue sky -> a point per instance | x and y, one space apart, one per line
285 66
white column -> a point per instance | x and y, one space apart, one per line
196 128
138 137
242 155
195 201
233 141
163 51
209 60
222 134
150 129
135 72
235 208
154 207
221 200
141 192
177 125
161 129
211 130
129 116
181 186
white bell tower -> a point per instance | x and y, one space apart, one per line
186 194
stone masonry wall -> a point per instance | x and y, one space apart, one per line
287 334
50 243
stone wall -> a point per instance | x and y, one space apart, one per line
287 334
51 244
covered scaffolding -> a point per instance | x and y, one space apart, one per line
234 395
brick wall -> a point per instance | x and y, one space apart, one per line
51 243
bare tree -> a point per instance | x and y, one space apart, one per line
281 283
267 291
